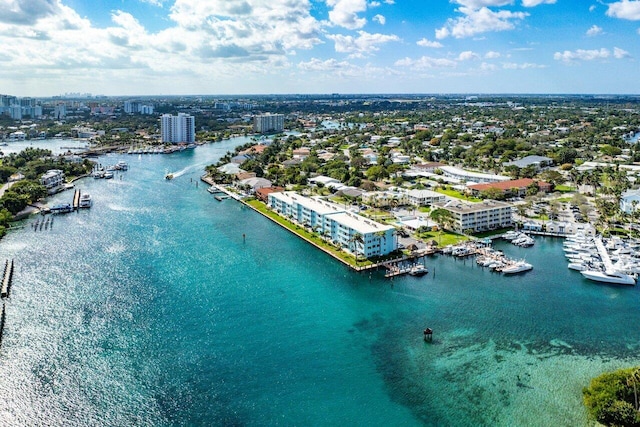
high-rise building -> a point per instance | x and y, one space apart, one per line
134 107
268 123
60 111
176 129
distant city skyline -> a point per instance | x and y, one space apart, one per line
183 47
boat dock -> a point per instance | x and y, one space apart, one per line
405 265
604 255
76 200
6 279
221 193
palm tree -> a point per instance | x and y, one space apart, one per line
443 218
381 235
632 380
356 239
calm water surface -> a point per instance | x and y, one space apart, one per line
150 309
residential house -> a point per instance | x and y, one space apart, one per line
53 180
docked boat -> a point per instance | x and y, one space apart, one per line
122 165
523 241
418 270
85 200
517 267
62 208
108 175
510 235
609 277
577 266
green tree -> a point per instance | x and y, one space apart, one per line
377 172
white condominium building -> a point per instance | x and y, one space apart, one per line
268 123
350 231
484 216
176 129
53 179
468 176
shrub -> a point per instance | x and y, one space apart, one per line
610 398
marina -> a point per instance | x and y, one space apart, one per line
593 259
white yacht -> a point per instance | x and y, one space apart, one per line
85 200
609 277
517 267
418 270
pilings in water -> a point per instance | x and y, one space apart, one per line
4 293
6 279
2 317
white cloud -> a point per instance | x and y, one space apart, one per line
487 67
523 66
27 12
468 56
620 53
594 31
592 8
590 55
582 55
477 4
429 43
364 44
380 19
64 51
534 3
154 2
625 9
331 69
477 21
316 64
344 13
492 55
426 62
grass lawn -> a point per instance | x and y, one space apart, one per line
424 209
491 233
564 189
444 239
311 237
457 195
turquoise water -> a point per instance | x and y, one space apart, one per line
150 309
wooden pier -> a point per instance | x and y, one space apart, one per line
76 200
6 280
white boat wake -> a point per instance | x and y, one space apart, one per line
181 172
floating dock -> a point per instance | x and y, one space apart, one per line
6 279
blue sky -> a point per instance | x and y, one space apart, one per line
154 47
